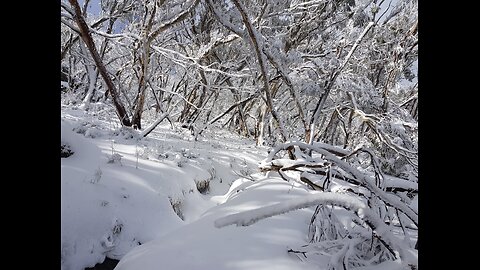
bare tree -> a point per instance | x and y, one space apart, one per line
87 38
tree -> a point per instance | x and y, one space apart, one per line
320 71
87 38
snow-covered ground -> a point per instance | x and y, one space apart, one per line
137 200
200 245
119 191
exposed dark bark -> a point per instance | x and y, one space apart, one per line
87 38
74 39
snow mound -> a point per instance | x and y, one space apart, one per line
200 245
106 209
119 190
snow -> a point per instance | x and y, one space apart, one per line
396 182
135 199
96 197
249 217
200 245
117 188
166 196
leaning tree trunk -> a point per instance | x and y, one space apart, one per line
87 38
263 70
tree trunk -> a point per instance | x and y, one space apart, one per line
87 38
261 63
148 38
142 87
261 125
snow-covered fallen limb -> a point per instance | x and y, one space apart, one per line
289 164
370 184
288 145
392 184
250 217
364 179
319 169
378 227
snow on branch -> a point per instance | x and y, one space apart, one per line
364 179
348 202
67 8
194 61
213 43
171 22
333 78
153 125
121 35
330 148
224 21
250 217
69 25
357 42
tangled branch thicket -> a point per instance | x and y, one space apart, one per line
382 232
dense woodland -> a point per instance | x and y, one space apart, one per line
330 85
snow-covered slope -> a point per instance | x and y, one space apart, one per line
107 209
137 200
200 245
117 190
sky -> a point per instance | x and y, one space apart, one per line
93 6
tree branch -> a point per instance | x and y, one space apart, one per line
331 82
173 21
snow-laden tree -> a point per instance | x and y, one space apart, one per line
311 53
141 26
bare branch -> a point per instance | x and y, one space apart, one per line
172 21
331 82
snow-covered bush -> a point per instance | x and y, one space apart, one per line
177 206
203 186
65 150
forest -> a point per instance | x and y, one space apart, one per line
295 120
